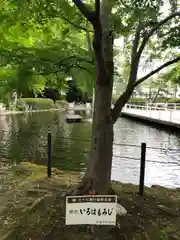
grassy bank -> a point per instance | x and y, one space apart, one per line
36 104
30 105
32 207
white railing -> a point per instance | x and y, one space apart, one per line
153 111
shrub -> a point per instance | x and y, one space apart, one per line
174 100
37 103
161 100
138 101
62 97
61 104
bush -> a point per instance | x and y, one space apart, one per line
61 104
37 103
174 100
62 97
138 101
161 100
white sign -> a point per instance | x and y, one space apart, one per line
91 210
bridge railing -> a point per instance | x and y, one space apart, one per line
156 106
158 111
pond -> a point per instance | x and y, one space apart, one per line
23 137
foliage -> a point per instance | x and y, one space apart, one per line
158 88
161 99
173 75
174 100
42 48
61 104
138 101
51 93
37 103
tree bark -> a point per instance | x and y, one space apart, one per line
98 174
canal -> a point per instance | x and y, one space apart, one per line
23 137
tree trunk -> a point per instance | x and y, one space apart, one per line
98 175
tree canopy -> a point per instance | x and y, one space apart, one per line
41 48
44 42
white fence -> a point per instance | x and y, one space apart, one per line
163 113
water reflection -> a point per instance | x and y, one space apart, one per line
23 137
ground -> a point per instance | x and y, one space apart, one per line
33 207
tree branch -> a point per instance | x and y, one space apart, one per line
78 59
78 66
89 15
75 25
97 8
132 77
155 28
156 71
130 87
121 102
134 58
64 68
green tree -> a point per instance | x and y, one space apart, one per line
141 20
42 50
173 75
52 37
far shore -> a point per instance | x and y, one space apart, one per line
30 111
76 107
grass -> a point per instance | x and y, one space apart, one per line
38 103
33 207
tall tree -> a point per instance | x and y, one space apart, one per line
98 174
50 43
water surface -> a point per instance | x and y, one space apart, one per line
23 137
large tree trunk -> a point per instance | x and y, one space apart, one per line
98 174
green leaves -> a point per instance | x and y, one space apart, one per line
40 44
44 42
173 75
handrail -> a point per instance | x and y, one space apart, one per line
148 106
154 112
156 105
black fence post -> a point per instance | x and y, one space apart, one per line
142 169
49 155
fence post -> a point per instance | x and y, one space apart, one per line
49 155
142 169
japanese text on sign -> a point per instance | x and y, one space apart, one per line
91 210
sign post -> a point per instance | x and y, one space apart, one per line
91 210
